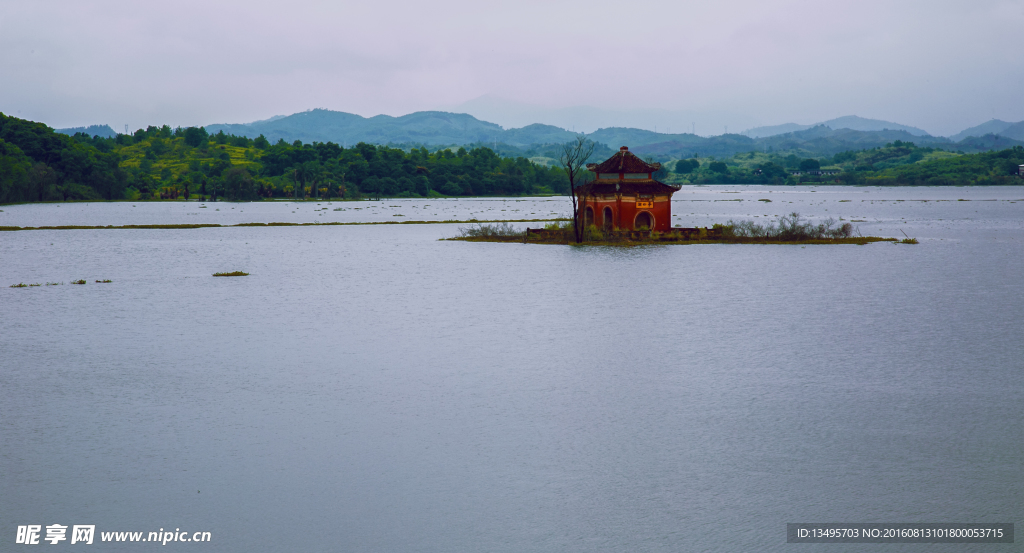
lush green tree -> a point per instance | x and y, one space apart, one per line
194 136
718 167
686 166
239 185
810 165
771 171
422 186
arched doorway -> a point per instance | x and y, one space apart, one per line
607 222
588 218
643 221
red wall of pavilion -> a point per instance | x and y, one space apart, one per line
624 213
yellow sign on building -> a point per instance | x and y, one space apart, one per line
644 204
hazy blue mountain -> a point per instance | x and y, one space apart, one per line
813 142
821 140
994 126
536 134
855 123
637 138
92 130
772 130
851 122
1014 131
685 146
321 125
973 144
583 118
437 128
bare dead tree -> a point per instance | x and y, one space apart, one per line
573 160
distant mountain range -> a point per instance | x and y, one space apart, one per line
438 128
422 127
851 122
996 127
1003 129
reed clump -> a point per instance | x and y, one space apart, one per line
19 285
790 228
105 281
500 232
80 281
231 274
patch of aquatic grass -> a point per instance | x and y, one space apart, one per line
790 228
908 240
80 281
501 230
105 281
54 283
232 273
19 285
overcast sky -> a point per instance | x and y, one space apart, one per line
938 65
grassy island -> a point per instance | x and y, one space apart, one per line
790 229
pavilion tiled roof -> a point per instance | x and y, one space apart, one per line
645 186
624 161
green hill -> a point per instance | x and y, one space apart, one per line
39 164
897 163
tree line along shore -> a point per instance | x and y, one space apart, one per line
38 164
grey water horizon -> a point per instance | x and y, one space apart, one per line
374 388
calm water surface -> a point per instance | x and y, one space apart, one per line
370 388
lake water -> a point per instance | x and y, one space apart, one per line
371 388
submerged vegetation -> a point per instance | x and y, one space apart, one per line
231 274
79 281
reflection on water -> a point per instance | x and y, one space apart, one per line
372 388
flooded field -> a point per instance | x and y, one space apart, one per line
371 388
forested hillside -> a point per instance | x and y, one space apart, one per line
895 164
38 164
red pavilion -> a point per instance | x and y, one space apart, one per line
624 195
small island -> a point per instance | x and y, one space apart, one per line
790 230
622 203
